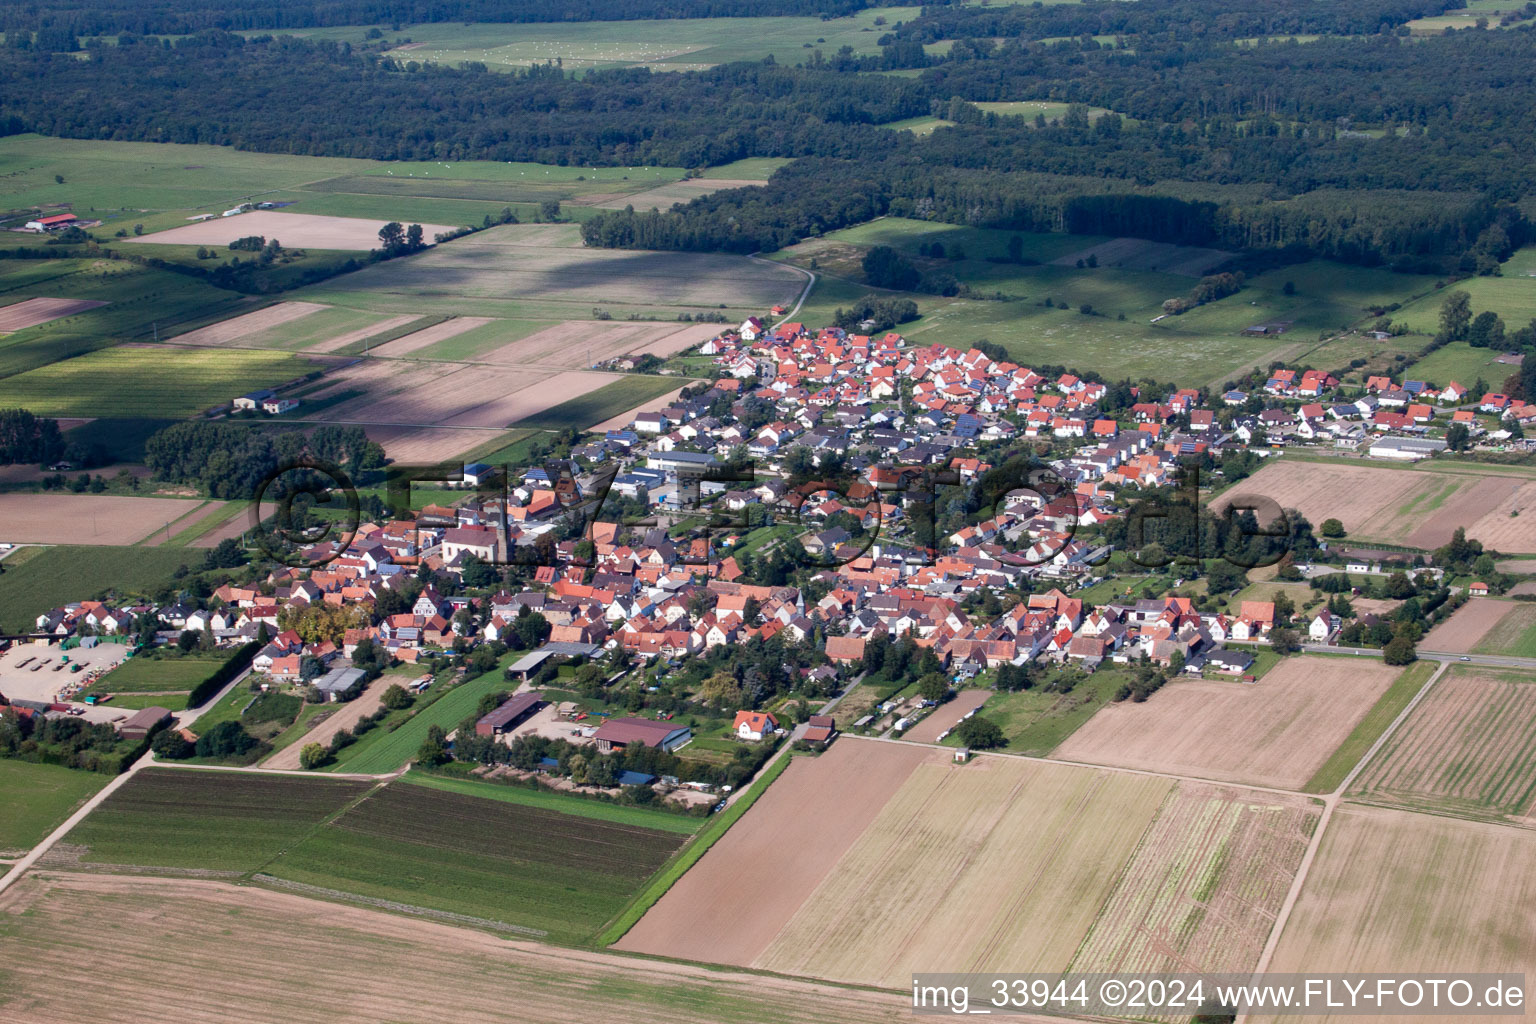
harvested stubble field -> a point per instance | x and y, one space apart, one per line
293 230
1468 749
238 329
581 343
1002 863
1418 507
663 196
431 335
542 272
1276 732
1513 634
1205 885
31 312
787 844
418 394
87 518
1464 631
946 716
1393 891
418 445
93 947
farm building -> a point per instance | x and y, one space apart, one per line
510 715
141 723
819 729
621 732
54 223
338 682
253 400
1407 448
1273 327
277 406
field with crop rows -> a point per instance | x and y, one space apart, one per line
53 576
203 821
536 869
1469 749
95 947
150 381
144 674
1514 633
1203 889
1401 892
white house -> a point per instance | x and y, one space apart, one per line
754 725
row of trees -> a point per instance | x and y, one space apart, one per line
28 438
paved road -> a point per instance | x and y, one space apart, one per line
810 282
1491 660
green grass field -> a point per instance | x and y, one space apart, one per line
383 751
36 798
527 866
147 674
663 45
604 403
56 575
1461 363
1203 347
1036 722
1512 296
157 381
216 821
140 301
548 799
1514 635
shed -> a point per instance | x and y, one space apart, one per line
141 723
510 715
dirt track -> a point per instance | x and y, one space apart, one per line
350 714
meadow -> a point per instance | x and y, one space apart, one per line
542 272
36 798
56 575
564 803
146 673
1205 346
383 750
555 874
1512 295
1514 634
218 822
147 381
1461 363
1036 722
662 45
601 404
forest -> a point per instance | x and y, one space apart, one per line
1363 145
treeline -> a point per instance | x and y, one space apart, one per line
25 437
185 17
216 88
233 461
1177 19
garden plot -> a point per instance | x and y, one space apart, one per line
1469 748
1276 732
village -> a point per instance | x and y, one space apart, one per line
808 499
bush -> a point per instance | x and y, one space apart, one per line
313 756
980 733
172 746
227 739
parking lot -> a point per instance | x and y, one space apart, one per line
38 672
